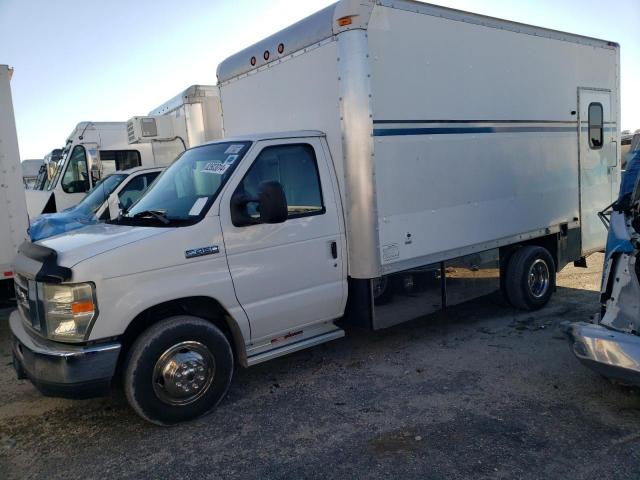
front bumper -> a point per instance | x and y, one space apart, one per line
613 354
62 370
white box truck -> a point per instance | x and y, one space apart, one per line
92 150
13 211
424 156
96 149
192 117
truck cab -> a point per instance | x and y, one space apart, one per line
93 150
90 301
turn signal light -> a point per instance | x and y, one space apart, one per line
82 307
345 21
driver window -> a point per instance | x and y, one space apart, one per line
76 177
293 166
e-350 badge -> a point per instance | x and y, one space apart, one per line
201 252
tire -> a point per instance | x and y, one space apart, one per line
504 262
384 289
165 395
525 291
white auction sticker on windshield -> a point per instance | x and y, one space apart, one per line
235 148
231 159
197 207
215 167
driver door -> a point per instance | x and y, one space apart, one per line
288 275
75 182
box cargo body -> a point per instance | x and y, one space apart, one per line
452 133
191 118
13 210
196 111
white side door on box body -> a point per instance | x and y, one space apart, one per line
288 275
599 166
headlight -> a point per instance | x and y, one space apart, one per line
68 310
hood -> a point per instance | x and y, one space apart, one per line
78 245
51 224
36 201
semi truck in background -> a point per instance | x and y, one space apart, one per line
13 211
420 159
96 149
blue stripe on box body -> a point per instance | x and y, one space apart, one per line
458 127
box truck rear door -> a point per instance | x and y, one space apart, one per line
286 275
599 168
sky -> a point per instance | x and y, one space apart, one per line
78 60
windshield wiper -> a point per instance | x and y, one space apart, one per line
157 214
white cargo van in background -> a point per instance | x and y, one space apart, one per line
13 211
423 156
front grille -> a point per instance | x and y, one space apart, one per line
22 295
27 299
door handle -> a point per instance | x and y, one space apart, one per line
334 250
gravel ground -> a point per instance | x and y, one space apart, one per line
485 392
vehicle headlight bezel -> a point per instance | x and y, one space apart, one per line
67 310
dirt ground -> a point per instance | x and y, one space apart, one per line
483 392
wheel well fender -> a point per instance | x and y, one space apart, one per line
548 242
204 307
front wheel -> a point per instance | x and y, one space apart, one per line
530 278
177 370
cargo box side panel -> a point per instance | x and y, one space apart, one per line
474 138
300 92
13 210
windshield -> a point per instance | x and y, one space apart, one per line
185 191
99 194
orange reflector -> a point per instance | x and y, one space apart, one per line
85 306
344 21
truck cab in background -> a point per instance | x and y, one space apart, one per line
92 150
48 170
96 149
31 170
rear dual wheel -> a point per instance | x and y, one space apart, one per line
530 278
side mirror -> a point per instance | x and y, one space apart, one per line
273 203
272 206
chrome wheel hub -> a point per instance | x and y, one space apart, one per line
539 278
183 373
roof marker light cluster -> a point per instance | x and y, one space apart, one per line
266 55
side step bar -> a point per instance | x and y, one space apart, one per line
294 347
